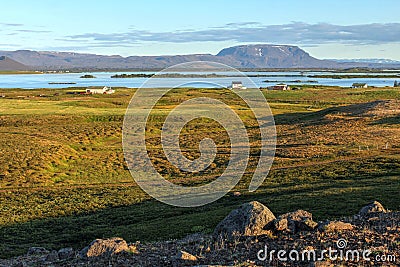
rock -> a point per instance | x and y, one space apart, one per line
237 194
196 238
374 207
335 226
294 222
17 264
323 264
281 224
186 256
248 220
104 248
37 250
66 253
52 256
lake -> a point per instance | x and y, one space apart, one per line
33 81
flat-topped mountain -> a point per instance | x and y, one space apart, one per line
243 56
271 56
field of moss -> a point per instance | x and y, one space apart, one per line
64 180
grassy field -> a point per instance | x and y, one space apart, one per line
64 182
5 72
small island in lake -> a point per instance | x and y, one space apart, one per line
192 75
88 76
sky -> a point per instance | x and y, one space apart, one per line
326 29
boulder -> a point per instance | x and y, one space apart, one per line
372 208
248 220
52 256
294 222
280 224
66 253
185 256
335 226
37 251
105 248
236 194
323 264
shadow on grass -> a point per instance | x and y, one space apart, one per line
152 220
389 120
319 117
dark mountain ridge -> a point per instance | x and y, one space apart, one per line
243 56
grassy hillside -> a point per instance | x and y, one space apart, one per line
64 182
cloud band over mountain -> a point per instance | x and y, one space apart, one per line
295 33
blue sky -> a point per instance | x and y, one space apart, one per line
325 29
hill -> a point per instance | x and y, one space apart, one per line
271 56
8 64
244 56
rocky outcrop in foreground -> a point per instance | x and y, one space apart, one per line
242 239
248 220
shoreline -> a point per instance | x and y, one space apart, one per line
155 70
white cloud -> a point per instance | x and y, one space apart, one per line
293 33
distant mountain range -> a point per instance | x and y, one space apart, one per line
243 56
369 60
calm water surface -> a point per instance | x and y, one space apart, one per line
33 81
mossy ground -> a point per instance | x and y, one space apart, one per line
64 182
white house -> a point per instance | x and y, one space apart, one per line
282 87
237 85
359 85
100 90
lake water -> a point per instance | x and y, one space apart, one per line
33 81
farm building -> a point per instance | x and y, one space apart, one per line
237 85
282 87
99 90
359 85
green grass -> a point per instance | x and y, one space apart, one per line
64 181
19 72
